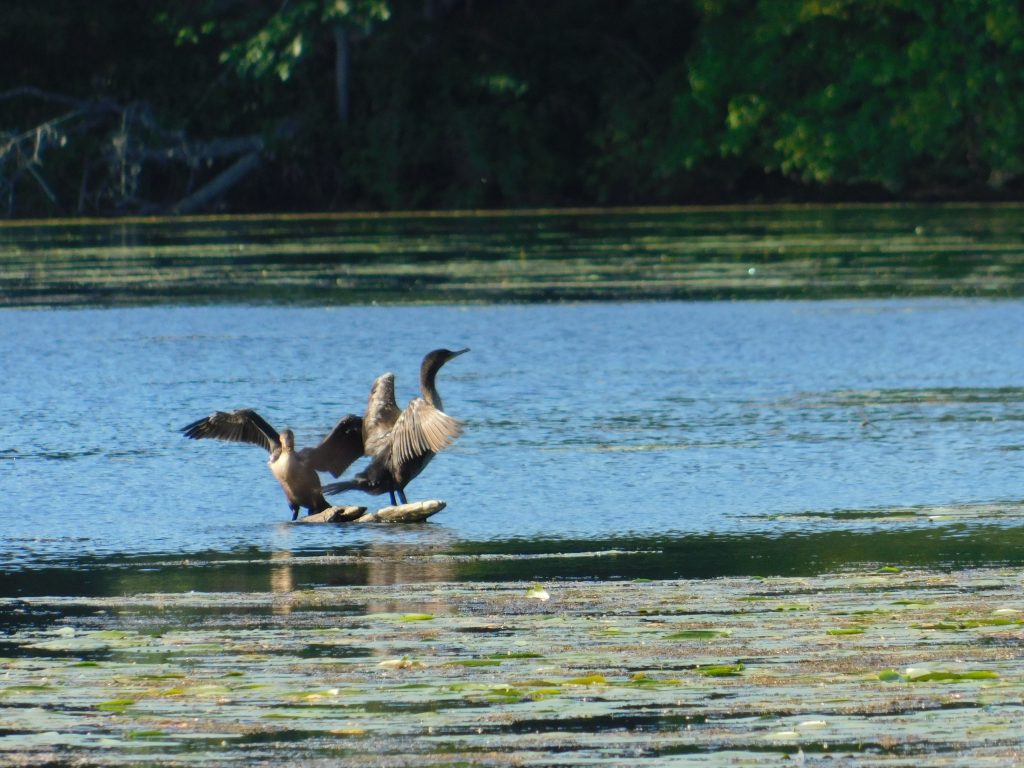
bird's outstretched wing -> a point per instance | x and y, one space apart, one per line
241 426
339 449
421 429
381 414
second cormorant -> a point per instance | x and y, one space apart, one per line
422 429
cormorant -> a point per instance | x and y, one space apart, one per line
421 430
296 471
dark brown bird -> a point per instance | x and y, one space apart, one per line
420 431
296 471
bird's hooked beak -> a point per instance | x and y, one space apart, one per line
459 352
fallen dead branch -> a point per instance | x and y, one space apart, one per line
123 160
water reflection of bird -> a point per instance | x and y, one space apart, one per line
420 431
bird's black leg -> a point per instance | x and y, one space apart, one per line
401 495
393 502
295 512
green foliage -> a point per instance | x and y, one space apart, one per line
905 94
275 44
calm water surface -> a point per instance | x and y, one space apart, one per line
603 439
864 435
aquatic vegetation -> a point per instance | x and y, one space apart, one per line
488 677
520 255
721 670
971 624
587 680
929 674
115 705
698 634
537 592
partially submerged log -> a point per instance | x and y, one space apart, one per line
416 512
334 515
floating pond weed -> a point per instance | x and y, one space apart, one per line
721 670
490 673
698 634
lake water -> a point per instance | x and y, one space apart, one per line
603 439
784 523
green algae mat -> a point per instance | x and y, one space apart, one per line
752 252
887 667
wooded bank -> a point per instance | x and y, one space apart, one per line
112 108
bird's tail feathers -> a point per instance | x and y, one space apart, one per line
371 484
345 485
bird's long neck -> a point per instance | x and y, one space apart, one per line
428 388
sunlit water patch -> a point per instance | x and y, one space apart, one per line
701 533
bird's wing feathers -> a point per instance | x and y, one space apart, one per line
420 429
340 448
381 414
241 426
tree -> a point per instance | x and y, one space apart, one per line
262 44
99 120
912 95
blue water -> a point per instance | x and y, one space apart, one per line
618 424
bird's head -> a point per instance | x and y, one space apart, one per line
434 360
383 387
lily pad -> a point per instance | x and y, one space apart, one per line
915 675
115 705
698 634
933 674
537 592
587 680
403 663
516 655
721 670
